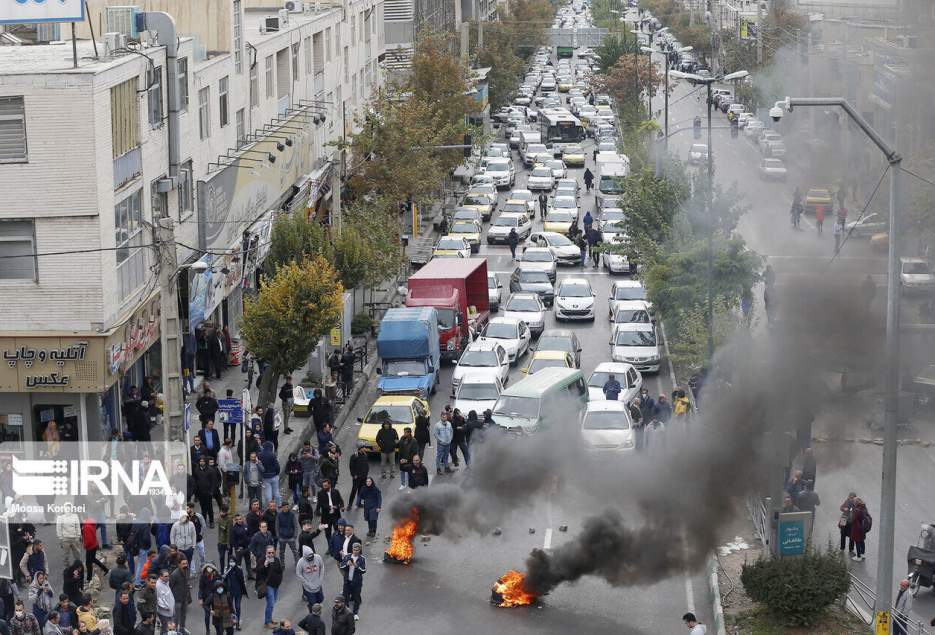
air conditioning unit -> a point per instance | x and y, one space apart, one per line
284 17
122 20
294 6
110 43
271 24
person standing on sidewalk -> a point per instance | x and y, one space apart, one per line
359 465
903 606
861 522
845 521
347 370
286 398
443 435
387 439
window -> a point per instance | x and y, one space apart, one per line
124 118
204 112
241 129
328 44
308 55
238 38
182 67
269 76
254 88
363 27
154 94
354 88
131 255
12 130
346 64
295 60
353 29
337 40
18 238
186 189
222 102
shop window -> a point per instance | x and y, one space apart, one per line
11 427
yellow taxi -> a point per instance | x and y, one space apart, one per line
400 411
480 201
573 156
818 197
452 247
548 359
470 230
559 221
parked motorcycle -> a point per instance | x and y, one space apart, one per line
921 560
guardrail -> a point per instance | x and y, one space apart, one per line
861 599
760 514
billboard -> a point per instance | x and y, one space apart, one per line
25 11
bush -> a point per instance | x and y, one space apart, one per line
361 324
796 591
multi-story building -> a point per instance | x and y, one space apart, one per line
91 155
405 19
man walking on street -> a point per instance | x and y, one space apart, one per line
285 396
408 448
543 204
443 436
354 566
347 370
329 508
342 620
310 569
512 240
588 178
387 439
181 591
611 388
359 465
694 626
287 530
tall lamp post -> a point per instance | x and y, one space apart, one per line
888 486
708 81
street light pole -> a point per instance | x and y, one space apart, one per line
890 413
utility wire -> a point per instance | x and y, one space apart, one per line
921 178
862 212
77 251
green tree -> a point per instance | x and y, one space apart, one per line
689 343
293 239
612 48
293 310
375 221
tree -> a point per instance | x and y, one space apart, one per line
375 222
440 81
505 66
294 309
612 48
293 238
629 80
689 341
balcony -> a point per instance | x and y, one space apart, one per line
127 167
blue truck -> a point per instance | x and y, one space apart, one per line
409 352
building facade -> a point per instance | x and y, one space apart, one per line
85 163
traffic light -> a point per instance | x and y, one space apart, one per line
468 146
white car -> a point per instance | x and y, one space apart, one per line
753 129
698 153
501 169
558 168
565 251
606 426
626 311
538 259
484 358
565 204
629 378
527 197
772 170
743 119
516 206
768 136
494 291
574 300
540 179
636 343
499 230
477 393
452 247
915 275
611 215
527 307
511 333
627 290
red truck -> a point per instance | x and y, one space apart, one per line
457 288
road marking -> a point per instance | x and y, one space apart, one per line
566 273
547 543
824 258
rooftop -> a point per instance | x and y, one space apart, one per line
57 58
254 17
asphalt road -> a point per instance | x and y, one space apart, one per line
797 257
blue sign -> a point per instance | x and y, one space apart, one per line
32 11
793 534
230 411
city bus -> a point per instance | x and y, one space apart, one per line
557 125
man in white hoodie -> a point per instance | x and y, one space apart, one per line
310 569
165 601
68 530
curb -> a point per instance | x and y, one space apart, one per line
715 591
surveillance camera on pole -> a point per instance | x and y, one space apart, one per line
779 108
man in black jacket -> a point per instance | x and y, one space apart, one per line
239 538
285 397
269 574
418 476
342 620
123 614
312 623
207 405
387 438
181 591
210 439
206 481
359 465
330 506
408 448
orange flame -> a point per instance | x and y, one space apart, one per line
403 534
512 588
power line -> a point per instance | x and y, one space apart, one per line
77 251
862 212
921 178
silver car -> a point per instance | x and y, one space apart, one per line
538 259
494 291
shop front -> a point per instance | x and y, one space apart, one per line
74 379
